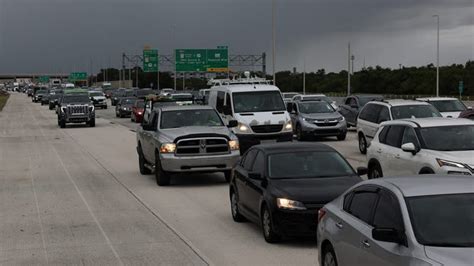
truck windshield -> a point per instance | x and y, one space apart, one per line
190 118
257 101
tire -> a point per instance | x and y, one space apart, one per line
62 123
234 207
375 171
42 103
228 175
267 227
362 144
50 107
162 177
300 136
92 122
426 171
141 163
105 107
328 258
116 114
342 136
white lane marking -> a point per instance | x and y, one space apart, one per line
109 243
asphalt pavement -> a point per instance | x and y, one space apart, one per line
75 196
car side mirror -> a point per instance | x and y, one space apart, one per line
255 176
389 235
409 147
362 171
232 123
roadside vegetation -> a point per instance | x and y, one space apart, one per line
3 99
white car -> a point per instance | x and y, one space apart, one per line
376 112
448 107
422 146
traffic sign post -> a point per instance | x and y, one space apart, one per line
78 76
202 60
150 63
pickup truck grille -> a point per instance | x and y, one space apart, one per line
77 109
267 128
202 146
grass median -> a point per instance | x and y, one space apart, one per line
3 99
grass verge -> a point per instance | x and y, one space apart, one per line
3 100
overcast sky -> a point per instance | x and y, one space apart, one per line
67 35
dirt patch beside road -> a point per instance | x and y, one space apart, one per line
3 98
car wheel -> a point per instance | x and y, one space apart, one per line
267 226
228 175
141 163
342 136
62 123
299 133
92 122
375 171
162 177
329 257
105 107
234 207
362 144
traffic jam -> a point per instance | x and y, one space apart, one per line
411 203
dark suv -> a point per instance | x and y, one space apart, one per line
76 108
352 106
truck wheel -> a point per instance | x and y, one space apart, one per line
141 163
62 123
92 122
228 175
162 177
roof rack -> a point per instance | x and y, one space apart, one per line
247 79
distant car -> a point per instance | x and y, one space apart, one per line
412 220
316 118
137 111
315 97
124 107
448 107
186 139
98 99
116 95
204 96
182 98
422 146
377 112
282 186
166 91
143 93
469 113
288 96
352 106
39 95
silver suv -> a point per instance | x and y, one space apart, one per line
316 118
376 112
186 139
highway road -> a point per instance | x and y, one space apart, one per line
75 196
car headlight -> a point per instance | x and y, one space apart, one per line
168 148
234 145
288 126
91 108
140 113
340 119
242 128
63 109
309 120
288 204
442 163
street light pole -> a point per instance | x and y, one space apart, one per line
273 41
349 69
304 76
437 58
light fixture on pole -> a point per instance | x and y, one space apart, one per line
437 58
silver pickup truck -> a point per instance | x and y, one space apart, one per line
181 139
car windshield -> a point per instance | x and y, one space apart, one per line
190 118
414 111
448 138
258 101
127 101
318 98
308 164
316 107
143 92
449 106
140 104
432 219
94 94
81 98
289 95
364 100
128 93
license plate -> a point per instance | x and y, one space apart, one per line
265 141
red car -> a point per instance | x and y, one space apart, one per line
137 111
468 113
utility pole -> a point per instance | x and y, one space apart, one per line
184 79
437 58
304 76
352 59
273 41
349 69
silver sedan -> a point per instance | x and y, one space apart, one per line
420 220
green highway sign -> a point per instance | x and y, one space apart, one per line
461 87
150 60
78 76
202 60
43 79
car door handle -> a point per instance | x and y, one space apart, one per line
339 225
379 151
366 243
397 156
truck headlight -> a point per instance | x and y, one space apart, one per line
234 145
288 126
288 204
168 148
242 128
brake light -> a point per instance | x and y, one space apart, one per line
321 214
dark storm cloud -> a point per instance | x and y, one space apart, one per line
66 35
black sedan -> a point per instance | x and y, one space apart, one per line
124 107
282 186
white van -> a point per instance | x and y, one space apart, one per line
258 108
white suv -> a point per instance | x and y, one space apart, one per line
376 112
422 146
449 107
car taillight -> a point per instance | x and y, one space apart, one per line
321 214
